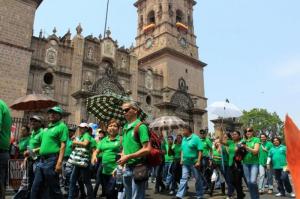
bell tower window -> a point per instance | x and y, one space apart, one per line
179 16
151 17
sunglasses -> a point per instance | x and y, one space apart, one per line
125 110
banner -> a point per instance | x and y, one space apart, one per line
16 173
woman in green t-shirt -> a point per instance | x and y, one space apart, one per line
23 141
250 162
110 147
277 157
82 141
218 167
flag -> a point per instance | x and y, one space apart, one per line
292 140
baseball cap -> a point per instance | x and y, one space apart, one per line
84 125
56 109
36 117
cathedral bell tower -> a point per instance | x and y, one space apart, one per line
166 42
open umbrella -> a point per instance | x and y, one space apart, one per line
33 102
224 109
107 106
167 123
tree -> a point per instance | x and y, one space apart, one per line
262 122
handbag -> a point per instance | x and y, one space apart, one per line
79 157
140 173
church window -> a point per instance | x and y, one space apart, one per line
48 78
151 17
179 16
148 100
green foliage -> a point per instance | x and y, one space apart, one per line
262 121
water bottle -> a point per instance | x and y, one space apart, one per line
32 154
119 177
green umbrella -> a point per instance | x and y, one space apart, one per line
108 106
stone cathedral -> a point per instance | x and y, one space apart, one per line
162 71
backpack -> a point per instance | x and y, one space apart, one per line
154 158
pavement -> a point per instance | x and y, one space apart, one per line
190 194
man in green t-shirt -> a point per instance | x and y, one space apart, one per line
134 149
5 126
168 147
53 142
35 122
207 150
264 149
191 154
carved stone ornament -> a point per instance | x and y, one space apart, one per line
108 49
149 80
51 56
181 98
182 85
90 53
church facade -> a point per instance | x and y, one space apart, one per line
162 71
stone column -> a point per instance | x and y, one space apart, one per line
76 82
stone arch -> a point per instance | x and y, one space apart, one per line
107 85
182 100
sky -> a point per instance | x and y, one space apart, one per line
252 47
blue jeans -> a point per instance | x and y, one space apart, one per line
86 178
133 189
251 172
186 170
45 175
282 178
4 157
167 175
265 177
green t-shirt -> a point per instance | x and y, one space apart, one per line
5 126
278 156
52 137
93 143
177 150
217 158
250 158
168 158
231 146
263 155
129 142
23 143
69 148
109 149
190 149
207 147
86 136
34 141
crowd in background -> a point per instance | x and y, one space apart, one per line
61 161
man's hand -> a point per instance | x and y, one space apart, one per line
123 159
197 165
26 153
58 167
94 160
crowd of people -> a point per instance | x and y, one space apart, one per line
60 161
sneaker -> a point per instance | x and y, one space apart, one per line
278 195
172 192
270 191
261 191
292 195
